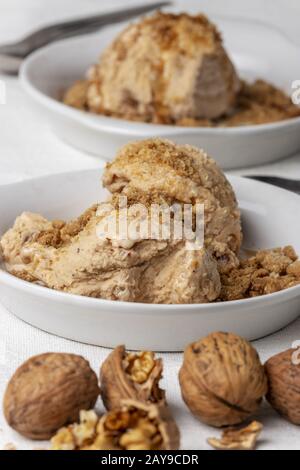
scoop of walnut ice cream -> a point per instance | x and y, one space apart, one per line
78 261
159 170
165 67
82 257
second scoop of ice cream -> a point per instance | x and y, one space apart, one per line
165 67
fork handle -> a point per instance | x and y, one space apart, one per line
16 50
9 64
285 183
75 27
22 49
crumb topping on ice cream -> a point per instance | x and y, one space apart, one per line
178 173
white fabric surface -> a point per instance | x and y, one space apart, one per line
28 149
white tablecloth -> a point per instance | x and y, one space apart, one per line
28 149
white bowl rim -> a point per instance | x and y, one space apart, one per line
124 127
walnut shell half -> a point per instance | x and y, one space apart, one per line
47 392
283 372
222 380
133 426
131 376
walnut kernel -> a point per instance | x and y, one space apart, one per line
131 376
139 365
134 426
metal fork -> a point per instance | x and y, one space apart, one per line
11 55
285 183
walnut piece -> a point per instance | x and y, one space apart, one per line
47 392
266 272
283 375
131 376
139 366
134 426
61 232
238 439
9 446
222 380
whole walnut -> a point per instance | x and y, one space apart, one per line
283 372
126 375
222 380
47 392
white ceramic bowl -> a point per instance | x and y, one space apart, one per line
259 51
270 218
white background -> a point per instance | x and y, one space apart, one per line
28 148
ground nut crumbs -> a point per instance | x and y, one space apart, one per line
128 430
61 232
257 103
266 272
139 365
